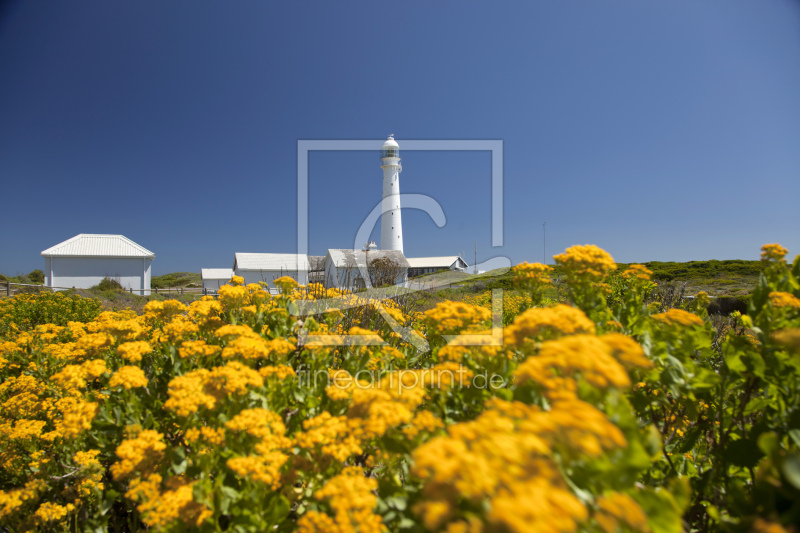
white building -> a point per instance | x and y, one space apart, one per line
346 269
269 267
84 260
391 223
418 266
214 278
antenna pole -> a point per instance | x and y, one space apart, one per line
544 243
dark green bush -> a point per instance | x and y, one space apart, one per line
36 276
107 284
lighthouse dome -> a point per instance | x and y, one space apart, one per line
390 148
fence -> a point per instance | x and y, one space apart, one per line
7 289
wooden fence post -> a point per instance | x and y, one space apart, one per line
181 291
8 288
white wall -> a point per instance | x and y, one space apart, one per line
254 276
85 272
214 284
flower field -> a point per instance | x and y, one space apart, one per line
603 412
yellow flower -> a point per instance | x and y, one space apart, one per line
204 388
453 317
237 281
784 299
51 512
233 297
286 284
128 377
586 355
163 311
547 322
616 508
586 263
198 349
350 495
626 350
790 338
76 416
773 252
678 317
638 272
133 351
140 455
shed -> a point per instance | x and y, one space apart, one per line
214 278
86 259
255 267
418 266
345 269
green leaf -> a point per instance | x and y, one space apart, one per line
769 442
795 436
278 510
689 440
663 512
791 469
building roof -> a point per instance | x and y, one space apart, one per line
216 273
98 245
433 262
345 258
288 262
316 262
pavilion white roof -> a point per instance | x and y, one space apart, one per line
98 245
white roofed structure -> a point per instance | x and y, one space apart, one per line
98 245
86 259
426 265
255 267
343 267
214 278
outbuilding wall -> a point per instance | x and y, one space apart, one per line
269 276
85 272
214 284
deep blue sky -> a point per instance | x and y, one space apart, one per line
657 130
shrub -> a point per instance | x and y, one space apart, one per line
727 305
36 276
108 284
24 312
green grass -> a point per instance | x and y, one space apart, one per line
176 279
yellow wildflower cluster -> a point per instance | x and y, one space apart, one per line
455 317
160 508
204 388
351 500
616 509
784 299
678 317
506 456
639 272
129 377
773 252
586 263
557 361
547 322
133 351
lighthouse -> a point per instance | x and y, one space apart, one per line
391 225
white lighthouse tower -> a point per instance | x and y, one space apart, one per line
391 225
